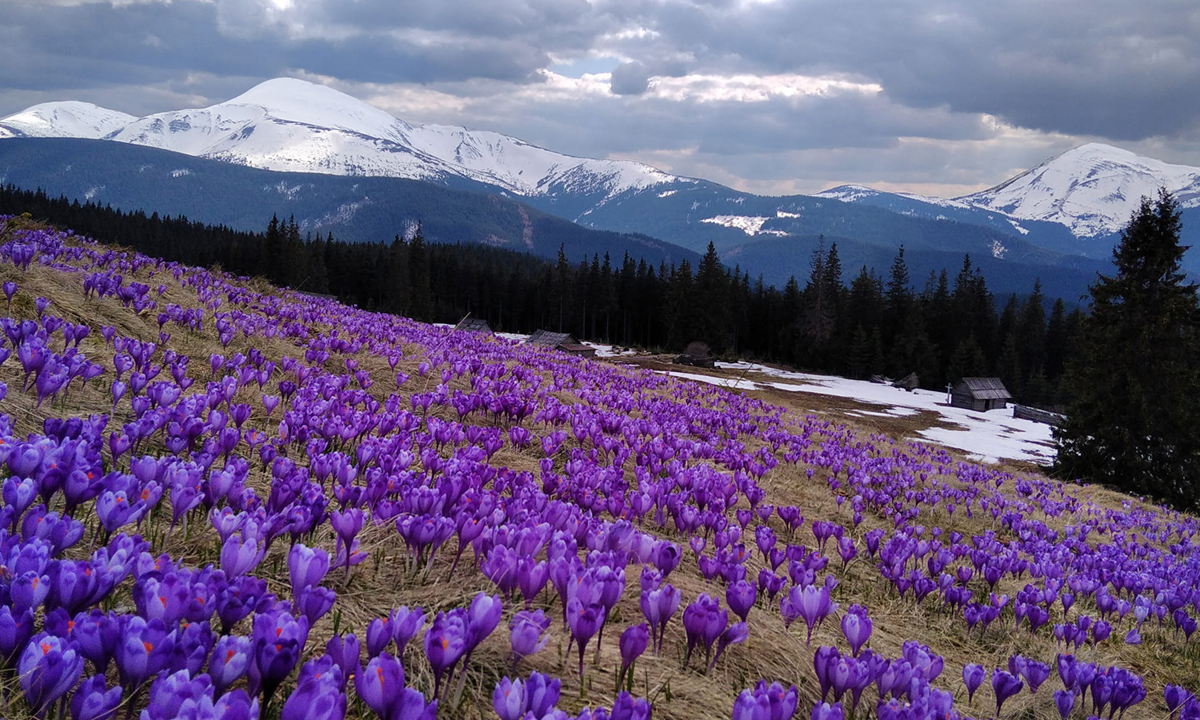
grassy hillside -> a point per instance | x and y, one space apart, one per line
216 404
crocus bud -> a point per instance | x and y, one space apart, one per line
973 677
1064 702
527 633
856 626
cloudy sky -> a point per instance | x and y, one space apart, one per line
772 96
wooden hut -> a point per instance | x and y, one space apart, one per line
561 341
473 324
980 394
696 355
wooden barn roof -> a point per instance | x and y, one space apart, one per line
551 339
984 388
471 324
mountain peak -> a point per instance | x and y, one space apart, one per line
301 101
1093 189
68 118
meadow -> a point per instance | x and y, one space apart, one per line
227 499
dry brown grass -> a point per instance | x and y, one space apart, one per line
772 652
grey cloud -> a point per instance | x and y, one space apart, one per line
1097 69
630 78
1108 68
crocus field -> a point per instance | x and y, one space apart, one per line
222 499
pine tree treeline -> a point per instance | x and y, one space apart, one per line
1133 421
943 330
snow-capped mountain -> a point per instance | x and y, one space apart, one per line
288 124
1075 203
64 119
1092 189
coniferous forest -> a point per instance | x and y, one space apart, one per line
847 321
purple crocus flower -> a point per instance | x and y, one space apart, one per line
781 702
193 643
658 607
314 602
825 711
751 706
412 706
406 623
1174 696
1005 685
164 596
346 524
632 644
94 700
306 567
700 619
732 635
541 694
741 596
483 615
379 636
508 699
346 654
583 623
809 603
1064 702
145 649
15 630
229 662
527 633
278 640
445 643
381 684
318 694
240 597
170 694
1034 672
856 626
973 677
47 669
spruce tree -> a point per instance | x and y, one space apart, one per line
1133 420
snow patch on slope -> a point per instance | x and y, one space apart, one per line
749 224
986 436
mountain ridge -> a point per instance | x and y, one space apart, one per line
292 125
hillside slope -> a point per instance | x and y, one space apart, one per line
290 415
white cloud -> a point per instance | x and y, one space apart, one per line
753 89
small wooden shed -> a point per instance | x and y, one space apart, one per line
474 324
561 341
696 355
980 394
